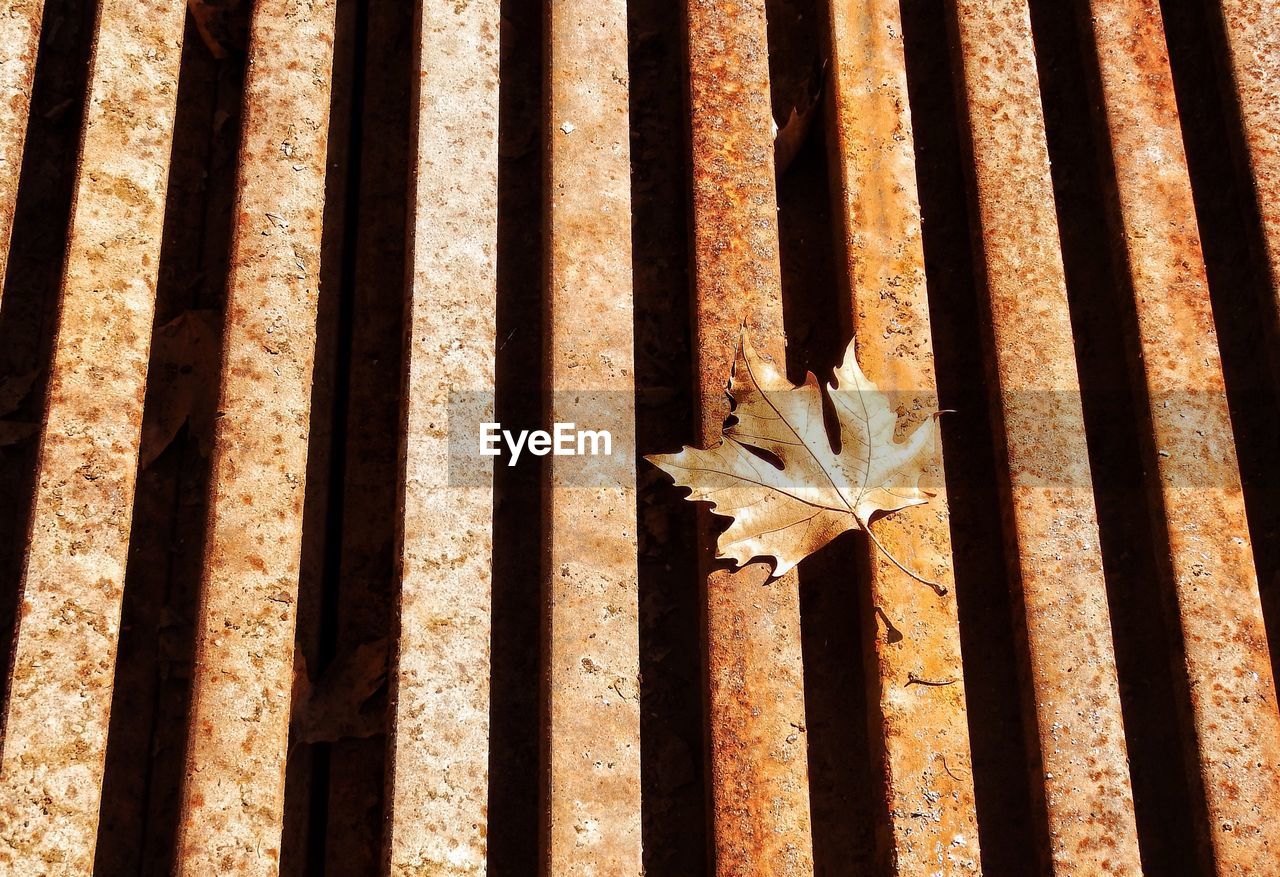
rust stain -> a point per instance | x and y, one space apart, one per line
591 708
233 798
1050 515
1233 695
758 768
932 816
64 659
19 40
440 735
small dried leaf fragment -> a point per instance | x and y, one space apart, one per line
11 433
223 24
184 377
14 389
341 705
778 475
790 137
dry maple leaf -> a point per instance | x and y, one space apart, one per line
777 473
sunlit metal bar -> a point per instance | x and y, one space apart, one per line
932 815
56 719
19 41
233 798
1081 762
1192 453
755 715
1253 50
592 697
440 748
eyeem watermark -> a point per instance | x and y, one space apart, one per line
577 438
564 440
591 442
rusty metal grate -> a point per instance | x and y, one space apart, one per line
258 258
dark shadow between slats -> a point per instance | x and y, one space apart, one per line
837 622
846 781
987 607
358 602
672 743
514 722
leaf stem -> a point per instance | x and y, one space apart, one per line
938 588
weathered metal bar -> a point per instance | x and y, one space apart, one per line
439 750
591 713
1082 761
233 797
56 718
932 814
1253 55
19 42
755 707
305 767
1192 453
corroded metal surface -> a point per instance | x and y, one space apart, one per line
439 754
1051 518
1252 32
591 712
64 660
1233 696
438 790
232 803
755 697
19 40
932 815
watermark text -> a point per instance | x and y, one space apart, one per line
564 440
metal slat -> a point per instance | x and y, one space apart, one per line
305 767
233 798
19 41
755 699
1192 453
1053 530
592 697
56 717
1253 53
932 813
439 752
